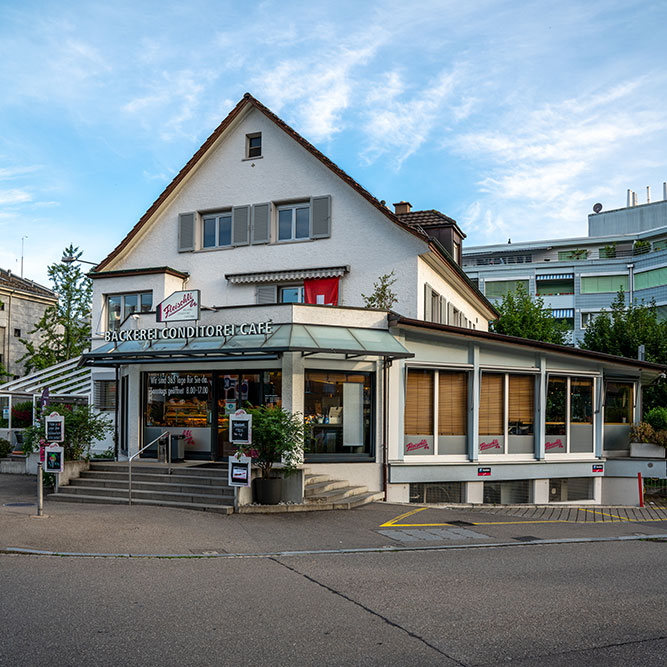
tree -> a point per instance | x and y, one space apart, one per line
523 316
383 297
64 327
622 330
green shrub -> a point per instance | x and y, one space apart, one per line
642 432
657 418
5 448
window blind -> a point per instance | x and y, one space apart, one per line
521 398
491 404
452 403
419 403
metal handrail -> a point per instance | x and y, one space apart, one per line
134 456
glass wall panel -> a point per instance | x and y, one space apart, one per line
602 284
556 416
339 408
581 415
521 414
618 414
452 412
491 414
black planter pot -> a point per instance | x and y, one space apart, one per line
268 491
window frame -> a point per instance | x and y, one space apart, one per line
216 216
249 148
302 293
123 314
293 208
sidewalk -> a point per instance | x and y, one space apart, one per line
120 529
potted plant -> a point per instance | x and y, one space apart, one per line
641 247
608 251
649 438
278 436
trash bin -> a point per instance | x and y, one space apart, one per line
162 450
177 447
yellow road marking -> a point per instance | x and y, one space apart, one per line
402 516
614 516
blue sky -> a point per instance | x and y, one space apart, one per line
512 117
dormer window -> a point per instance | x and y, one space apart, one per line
253 144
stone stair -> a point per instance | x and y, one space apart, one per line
322 492
188 487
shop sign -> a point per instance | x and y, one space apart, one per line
240 428
598 467
54 459
239 470
179 306
483 472
54 425
210 331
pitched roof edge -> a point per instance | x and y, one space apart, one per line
149 270
233 114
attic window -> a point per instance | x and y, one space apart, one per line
253 145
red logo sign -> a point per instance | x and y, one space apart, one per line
556 444
411 446
494 444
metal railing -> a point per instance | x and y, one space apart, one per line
134 456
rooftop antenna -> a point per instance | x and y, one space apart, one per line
23 238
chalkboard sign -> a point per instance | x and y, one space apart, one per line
54 459
240 428
55 427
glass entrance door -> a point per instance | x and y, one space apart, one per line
236 390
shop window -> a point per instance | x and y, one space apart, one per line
515 492
338 406
452 412
436 492
569 415
618 415
570 488
521 414
121 306
181 402
104 394
418 418
491 414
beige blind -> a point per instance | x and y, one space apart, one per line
419 403
452 403
491 404
521 398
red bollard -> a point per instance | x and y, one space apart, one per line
641 489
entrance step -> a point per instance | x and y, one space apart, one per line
325 493
72 498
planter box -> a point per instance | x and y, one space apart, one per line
646 450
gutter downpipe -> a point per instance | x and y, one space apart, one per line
631 282
115 435
385 448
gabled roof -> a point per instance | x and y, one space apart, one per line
12 282
248 99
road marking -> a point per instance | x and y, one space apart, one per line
392 522
433 535
614 516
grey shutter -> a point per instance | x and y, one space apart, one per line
428 314
450 315
261 217
320 217
266 293
186 232
443 310
240 225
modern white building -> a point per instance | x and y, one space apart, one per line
269 247
578 277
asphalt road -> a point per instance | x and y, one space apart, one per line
566 604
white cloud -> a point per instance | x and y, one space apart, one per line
14 196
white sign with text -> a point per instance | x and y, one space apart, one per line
179 306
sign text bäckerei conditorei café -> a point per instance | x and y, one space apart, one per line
209 331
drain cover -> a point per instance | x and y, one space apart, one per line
19 504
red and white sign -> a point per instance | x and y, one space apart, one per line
321 291
179 306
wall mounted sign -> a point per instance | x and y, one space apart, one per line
179 306
54 459
240 428
210 331
54 425
239 470
598 467
483 472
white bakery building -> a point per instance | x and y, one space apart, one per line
420 402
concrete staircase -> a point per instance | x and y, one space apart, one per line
322 492
188 487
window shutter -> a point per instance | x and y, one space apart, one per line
104 394
428 314
320 212
240 225
443 310
186 232
450 315
266 293
261 216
